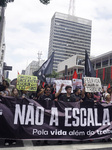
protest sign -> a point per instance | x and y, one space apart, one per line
77 83
65 82
92 84
27 119
27 83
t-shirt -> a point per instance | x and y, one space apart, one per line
88 99
67 99
77 97
50 97
46 101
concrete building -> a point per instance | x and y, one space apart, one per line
72 65
2 37
23 72
103 67
69 35
33 66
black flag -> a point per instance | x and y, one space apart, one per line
45 69
89 70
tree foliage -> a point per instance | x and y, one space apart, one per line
53 75
45 1
3 3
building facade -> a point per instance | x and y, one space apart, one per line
103 67
72 64
33 66
69 35
2 37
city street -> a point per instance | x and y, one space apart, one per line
34 145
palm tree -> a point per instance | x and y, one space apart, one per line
3 3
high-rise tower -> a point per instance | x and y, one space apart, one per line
2 37
69 35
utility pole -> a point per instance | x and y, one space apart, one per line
71 9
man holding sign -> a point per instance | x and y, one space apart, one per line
92 85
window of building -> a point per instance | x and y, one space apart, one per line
105 63
80 70
71 72
98 65
110 61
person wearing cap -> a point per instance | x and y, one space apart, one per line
108 98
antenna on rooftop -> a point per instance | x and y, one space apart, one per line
39 57
71 9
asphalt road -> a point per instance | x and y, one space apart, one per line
56 145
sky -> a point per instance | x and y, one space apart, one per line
27 28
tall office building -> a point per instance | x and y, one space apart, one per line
2 39
69 35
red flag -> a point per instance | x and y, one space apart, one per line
103 73
108 86
18 73
97 73
43 84
75 75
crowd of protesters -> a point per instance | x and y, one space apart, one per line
48 93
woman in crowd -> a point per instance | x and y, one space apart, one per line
6 91
108 98
77 94
15 92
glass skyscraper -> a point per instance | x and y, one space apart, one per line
69 35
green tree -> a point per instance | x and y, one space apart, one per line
3 3
8 80
53 75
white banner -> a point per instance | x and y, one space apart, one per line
65 82
92 84
50 80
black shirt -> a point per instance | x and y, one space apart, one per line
46 101
67 99
50 97
77 97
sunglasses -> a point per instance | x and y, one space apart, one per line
48 90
